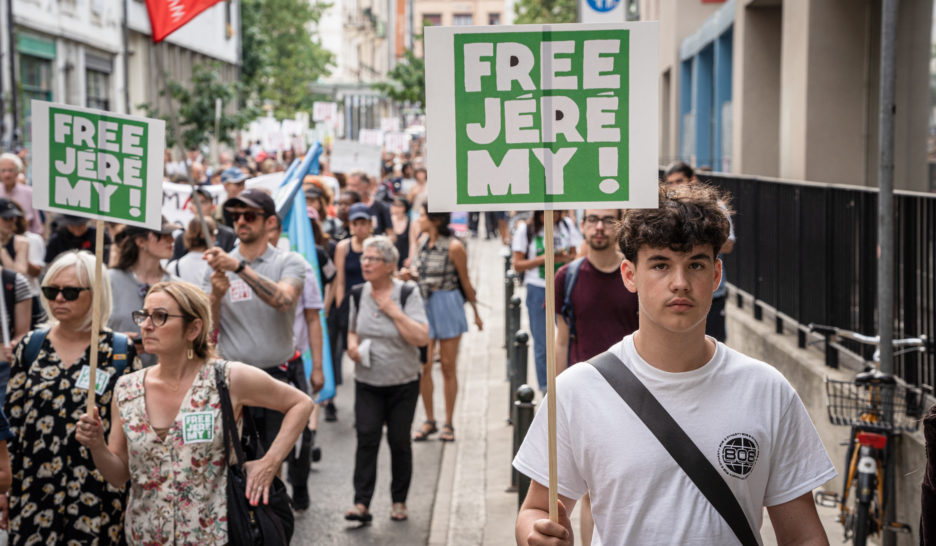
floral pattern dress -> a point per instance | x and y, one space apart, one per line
178 483
58 496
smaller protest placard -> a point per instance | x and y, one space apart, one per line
348 156
371 136
397 143
390 125
324 111
97 164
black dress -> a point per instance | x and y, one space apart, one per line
57 495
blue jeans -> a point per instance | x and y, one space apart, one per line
536 311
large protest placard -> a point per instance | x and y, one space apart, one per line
542 116
97 164
348 156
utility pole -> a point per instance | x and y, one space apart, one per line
885 269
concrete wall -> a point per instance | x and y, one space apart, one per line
806 370
756 89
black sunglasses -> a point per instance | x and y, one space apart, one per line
158 316
70 293
249 215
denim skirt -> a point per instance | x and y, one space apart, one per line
445 311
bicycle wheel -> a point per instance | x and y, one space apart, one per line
862 523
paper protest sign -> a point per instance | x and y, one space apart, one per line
324 111
542 116
97 164
397 143
371 136
348 156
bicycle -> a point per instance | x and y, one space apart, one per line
878 407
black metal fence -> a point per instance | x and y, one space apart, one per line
810 251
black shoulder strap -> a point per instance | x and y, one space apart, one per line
8 277
571 275
405 291
356 292
679 445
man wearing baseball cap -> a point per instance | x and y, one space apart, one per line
254 290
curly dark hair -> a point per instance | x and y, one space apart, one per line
689 215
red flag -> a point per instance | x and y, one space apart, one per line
166 16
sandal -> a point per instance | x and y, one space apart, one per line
398 512
448 433
428 428
358 513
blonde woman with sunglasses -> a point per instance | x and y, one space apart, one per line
56 496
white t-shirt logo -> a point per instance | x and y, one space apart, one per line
737 455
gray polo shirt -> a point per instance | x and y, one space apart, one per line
252 331
393 360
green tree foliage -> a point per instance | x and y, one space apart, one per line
407 81
280 56
194 107
545 11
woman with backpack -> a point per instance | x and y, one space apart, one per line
440 265
56 496
529 258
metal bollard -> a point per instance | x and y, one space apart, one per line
518 369
524 409
513 324
509 277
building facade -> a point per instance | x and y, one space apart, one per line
789 89
99 54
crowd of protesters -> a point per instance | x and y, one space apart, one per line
177 303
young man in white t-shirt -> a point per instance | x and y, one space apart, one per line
742 414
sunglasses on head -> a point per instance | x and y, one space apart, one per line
249 215
158 316
70 293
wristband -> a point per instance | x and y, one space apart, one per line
240 267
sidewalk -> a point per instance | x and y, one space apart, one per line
472 506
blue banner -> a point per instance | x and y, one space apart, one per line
291 206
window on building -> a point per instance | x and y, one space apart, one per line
432 19
462 19
36 74
97 90
494 18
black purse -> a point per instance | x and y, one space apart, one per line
265 524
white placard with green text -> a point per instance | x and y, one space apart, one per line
542 116
97 164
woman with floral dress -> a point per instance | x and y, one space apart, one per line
57 496
171 444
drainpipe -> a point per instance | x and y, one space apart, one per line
14 130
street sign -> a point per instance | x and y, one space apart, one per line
97 164
542 116
602 11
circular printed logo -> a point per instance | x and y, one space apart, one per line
737 455
603 5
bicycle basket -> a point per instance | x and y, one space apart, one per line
874 407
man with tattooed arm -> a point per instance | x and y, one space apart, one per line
254 290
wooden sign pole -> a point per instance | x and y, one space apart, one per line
551 364
95 313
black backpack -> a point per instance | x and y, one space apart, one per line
8 277
358 289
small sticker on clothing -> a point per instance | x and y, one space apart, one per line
100 379
240 291
198 427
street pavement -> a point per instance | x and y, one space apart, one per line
458 495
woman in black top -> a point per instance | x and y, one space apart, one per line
399 215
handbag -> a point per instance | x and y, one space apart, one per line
679 445
265 524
